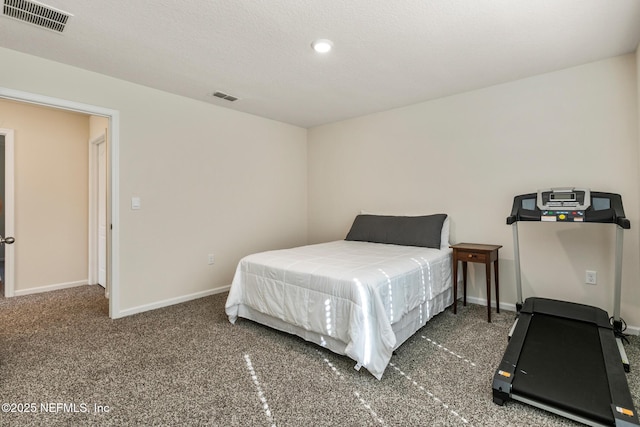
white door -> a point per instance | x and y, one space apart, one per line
102 214
98 218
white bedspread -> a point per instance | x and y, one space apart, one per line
351 291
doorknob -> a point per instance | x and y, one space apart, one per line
7 240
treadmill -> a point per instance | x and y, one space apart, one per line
564 357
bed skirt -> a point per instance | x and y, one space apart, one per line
403 329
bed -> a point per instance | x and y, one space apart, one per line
361 297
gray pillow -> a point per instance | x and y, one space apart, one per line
398 230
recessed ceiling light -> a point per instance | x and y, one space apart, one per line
322 45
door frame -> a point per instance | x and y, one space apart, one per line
94 241
113 186
9 211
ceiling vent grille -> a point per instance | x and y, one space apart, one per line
37 14
225 96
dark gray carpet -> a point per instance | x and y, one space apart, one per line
61 357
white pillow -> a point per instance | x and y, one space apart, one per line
444 235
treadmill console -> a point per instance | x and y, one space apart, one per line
563 204
569 204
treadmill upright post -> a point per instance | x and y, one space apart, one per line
617 296
516 259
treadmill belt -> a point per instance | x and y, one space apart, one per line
578 385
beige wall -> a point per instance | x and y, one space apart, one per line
50 195
468 155
211 180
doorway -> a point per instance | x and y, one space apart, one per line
51 202
2 213
112 215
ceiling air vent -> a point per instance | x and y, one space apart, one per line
224 96
36 13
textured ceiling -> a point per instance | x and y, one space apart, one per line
386 54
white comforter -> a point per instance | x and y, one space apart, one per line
350 291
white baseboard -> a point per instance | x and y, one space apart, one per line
631 330
47 288
170 301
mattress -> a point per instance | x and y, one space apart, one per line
359 299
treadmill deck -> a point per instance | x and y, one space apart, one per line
563 357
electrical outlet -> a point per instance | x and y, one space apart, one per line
210 259
591 277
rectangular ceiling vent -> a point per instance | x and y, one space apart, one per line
225 96
37 14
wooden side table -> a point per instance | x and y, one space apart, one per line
475 252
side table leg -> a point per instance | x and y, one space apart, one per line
455 284
488 274
495 273
464 283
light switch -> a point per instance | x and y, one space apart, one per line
135 203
